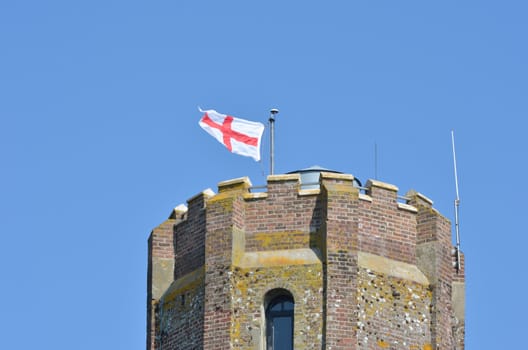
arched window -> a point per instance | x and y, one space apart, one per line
279 320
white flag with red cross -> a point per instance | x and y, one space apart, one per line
238 135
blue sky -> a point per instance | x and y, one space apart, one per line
99 138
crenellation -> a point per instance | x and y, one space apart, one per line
239 184
419 199
197 202
179 213
371 184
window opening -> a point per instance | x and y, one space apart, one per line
279 322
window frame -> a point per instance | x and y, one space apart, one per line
273 298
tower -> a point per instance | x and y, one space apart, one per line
325 265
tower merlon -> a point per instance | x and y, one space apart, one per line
238 184
197 202
419 198
386 186
178 212
207 193
336 182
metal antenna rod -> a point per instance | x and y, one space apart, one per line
375 161
273 112
457 205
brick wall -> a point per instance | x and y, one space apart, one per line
340 200
434 258
189 237
385 229
282 220
225 220
160 268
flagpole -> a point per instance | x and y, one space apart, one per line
273 112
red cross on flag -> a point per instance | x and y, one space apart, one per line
238 135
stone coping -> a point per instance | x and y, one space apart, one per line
337 176
384 185
413 193
238 182
311 192
407 207
284 177
255 195
365 197
207 193
392 267
178 211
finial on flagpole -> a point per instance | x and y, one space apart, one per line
273 112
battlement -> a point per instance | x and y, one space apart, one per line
285 216
290 184
330 238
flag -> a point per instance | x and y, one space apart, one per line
238 135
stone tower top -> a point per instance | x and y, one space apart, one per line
356 268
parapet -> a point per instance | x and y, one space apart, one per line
291 184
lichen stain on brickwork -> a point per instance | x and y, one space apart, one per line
392 312
269 239
225 200
383 344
